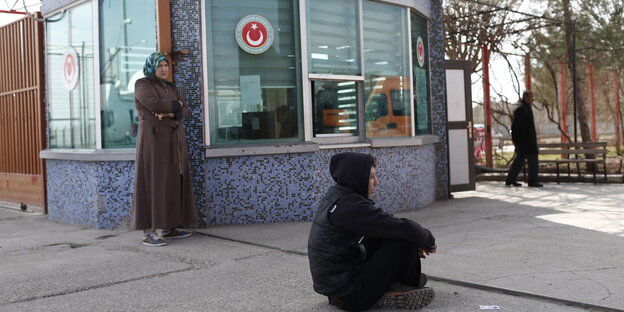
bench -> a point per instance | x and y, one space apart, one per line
576 153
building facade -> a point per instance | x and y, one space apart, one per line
275 88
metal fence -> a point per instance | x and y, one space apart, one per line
22 113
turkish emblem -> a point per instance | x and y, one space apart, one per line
420 51
71 69
254 34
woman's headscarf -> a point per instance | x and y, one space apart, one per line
152 61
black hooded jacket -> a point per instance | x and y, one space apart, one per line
344 216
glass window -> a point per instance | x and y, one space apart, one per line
127 37
420 68
386 62
333 37
335 108
377 107
71 103
253 95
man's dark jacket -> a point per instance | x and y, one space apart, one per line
523 132
344 216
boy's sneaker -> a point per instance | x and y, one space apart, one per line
175 233
411 299
153 240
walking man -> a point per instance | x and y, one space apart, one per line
524 138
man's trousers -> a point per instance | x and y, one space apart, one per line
518 163
387 261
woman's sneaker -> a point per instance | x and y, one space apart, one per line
411 299
153 240
175 233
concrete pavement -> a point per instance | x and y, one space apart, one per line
522 249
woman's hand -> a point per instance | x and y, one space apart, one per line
165 115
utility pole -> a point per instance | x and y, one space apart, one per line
593 102
574 95
488 107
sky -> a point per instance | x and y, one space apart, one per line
17 5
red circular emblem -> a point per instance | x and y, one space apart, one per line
254 34
420 51
70 68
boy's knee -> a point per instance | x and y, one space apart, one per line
400 246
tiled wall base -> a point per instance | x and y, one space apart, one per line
239 190
96 194
287 187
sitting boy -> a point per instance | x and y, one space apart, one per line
359 255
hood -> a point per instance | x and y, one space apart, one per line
351 170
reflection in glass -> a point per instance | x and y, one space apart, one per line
420 68
333 37
386 58
253 97
335 108
127 37
71 114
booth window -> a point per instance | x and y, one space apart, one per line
70 94
333 37
420 71
386 62
335 108
335 67
253 97
359 45
127 37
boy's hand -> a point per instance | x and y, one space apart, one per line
423 252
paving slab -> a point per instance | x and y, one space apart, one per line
562 241
519 249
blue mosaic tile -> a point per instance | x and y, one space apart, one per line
287 187
438 98
115 193
97 194
186 31
71 189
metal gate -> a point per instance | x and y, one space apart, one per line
22 115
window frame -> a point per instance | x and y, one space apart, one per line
163 41
96 80
360 137
207 68
410 11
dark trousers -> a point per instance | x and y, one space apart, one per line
517 165
386 261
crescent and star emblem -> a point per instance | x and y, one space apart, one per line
69 68
254 43
254 34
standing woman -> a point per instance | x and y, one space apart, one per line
163 197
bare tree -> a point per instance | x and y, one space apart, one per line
471 26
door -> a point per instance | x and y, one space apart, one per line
460 127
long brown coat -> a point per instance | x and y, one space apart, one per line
163 196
